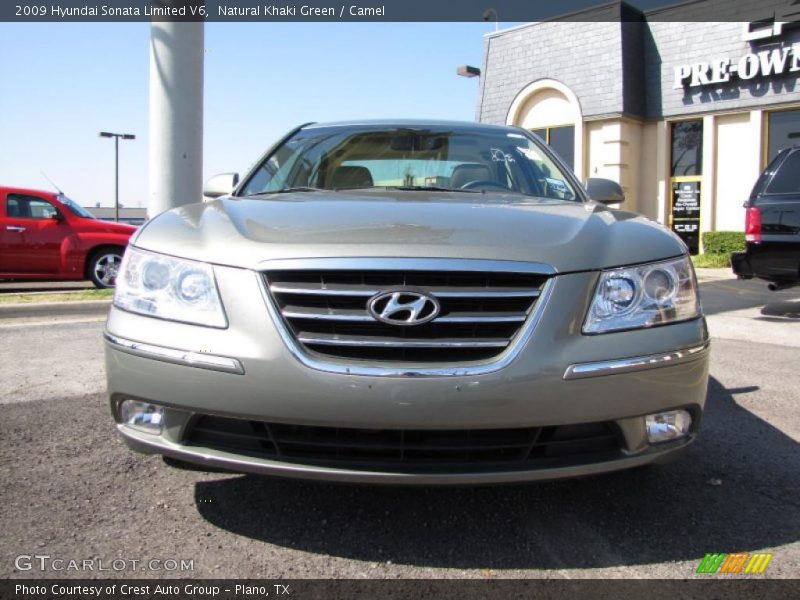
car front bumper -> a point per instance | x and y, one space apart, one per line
559 378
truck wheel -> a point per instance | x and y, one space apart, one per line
103 268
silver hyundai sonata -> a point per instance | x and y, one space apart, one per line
408 302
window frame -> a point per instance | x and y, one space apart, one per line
700 158
30 197
767 134
548 133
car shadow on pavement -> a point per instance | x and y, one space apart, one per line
734 491
726 295
782 309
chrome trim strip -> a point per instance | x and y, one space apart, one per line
410 370
487 293
178 357
481 319
637 363
319 291
371 342
359 316
406 264
355 317
367 293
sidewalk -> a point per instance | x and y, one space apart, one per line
750 324
714 274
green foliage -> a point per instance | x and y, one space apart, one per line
723 242
711 261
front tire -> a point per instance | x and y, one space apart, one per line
103 268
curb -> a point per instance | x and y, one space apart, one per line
69 307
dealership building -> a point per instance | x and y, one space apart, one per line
683 113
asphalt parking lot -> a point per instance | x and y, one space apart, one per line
73 491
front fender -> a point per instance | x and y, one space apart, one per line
77 249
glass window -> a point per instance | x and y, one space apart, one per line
29 207
542 133
687 148
784 131
13 206
560 139
274 172
787 179
439 159
75 208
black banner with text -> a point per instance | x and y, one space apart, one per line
505 11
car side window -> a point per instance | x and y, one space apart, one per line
787 179
28 207
273 174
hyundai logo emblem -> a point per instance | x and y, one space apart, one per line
403 307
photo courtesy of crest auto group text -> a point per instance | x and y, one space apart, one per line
400 300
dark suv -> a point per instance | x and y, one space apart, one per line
772 226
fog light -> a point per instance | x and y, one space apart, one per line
666 426
141 415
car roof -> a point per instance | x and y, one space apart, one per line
415 123
7 189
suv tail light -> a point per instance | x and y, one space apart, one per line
752 225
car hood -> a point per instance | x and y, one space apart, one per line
248 232
100 225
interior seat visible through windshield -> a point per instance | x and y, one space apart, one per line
361 157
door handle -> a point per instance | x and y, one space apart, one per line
15 228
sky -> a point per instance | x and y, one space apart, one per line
63 83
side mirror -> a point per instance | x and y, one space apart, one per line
56 216
221 185
605 191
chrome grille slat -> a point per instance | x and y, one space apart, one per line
325 312
298 312
360 291
341 340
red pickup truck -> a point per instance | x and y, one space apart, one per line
47 236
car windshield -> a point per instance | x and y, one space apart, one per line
435 159
75 208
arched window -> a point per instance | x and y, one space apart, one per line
550 109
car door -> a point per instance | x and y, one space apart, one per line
31 238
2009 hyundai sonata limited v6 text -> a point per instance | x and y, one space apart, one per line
408 302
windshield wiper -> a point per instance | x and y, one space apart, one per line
427 188
290 190
300 188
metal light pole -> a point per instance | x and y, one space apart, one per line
116 136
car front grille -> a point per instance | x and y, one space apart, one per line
481 313
410 449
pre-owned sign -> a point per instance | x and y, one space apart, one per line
764 63
722 70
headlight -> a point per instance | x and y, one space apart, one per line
643 296
170 288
